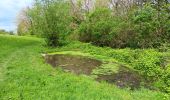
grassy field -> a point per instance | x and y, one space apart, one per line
25 76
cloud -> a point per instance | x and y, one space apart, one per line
8 12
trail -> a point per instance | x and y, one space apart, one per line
10 57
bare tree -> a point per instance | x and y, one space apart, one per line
102 3
23 22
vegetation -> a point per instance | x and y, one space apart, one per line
151 63
6 32
133 33
27 77
45 21
134 24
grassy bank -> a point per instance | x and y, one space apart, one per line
24 75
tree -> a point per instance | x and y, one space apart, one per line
51 19
23 22
102 4
2 31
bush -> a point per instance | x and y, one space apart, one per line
151 26
148 62
143 28
98 27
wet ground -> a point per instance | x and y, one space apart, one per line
75 64
125 77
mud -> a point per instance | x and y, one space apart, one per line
125 77
75 64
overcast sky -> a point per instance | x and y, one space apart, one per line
8 12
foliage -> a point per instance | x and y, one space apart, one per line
139 28
50 19
151 28
134 24
150 63
98 27
120 25
27 77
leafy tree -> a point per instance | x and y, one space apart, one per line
50 19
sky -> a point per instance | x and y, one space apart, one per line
9 9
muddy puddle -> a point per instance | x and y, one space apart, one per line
75 64
125 77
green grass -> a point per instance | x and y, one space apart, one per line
25 76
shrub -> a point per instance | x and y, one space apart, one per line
151 26
98 27
148 62
143 28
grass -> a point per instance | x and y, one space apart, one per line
25 76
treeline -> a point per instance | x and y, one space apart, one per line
2 31
113 23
